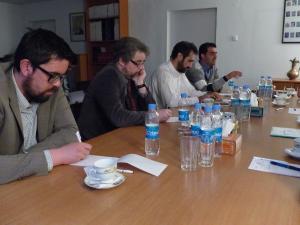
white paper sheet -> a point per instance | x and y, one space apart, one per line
264 165
285 132
150 166
295 111
173 119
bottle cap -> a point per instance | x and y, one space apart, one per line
262 77
216 107
183 95
207 108
198 106
151 106
245 86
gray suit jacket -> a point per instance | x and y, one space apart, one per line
197 79
56 127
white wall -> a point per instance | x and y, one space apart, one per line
257 23
11 26
58 10
178 30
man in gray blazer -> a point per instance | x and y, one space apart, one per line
37 128
204 75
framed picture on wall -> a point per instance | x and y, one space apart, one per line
291 22
77 26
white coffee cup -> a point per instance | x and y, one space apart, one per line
106 165
290 91
280 100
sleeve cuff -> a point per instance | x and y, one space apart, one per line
225 78
49 160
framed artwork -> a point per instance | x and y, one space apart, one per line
291 22
77 26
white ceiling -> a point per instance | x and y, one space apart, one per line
22 1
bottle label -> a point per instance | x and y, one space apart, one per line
218 134
152 131
195 128
183 115
245 102
207 136
235 102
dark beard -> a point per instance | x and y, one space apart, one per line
180 68
31 96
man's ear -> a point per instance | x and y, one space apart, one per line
26 67
179 56
121 62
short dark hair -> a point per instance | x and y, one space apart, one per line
204 48
39 46
183 47
126 47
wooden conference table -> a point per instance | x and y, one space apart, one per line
226 194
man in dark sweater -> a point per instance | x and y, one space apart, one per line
118 96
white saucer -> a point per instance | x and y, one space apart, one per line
292 153
275 103
105 184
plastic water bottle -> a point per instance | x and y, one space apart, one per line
207 138
269 88
152 131
245 96
218 124
231 86
261 87
183 112
235 102
195 120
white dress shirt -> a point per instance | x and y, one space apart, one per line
166 84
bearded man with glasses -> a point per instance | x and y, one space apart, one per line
118 96
37 128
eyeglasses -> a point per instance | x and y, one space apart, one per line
53 76
138 64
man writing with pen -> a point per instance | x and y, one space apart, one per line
37 128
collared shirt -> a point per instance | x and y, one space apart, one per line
166 84
208 71
28 113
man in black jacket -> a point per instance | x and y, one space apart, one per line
118 96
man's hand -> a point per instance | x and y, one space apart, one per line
164 114
213 95
233 74
70 153
139 77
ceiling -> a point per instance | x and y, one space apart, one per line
22 1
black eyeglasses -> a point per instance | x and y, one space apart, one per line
138 64
53 76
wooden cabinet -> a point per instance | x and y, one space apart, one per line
106 22
281 84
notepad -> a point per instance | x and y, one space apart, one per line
173 119
285 132
264 165
147 165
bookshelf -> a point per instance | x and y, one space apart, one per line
106 22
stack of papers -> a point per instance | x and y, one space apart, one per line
285 132
295 111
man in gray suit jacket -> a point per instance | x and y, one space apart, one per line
204 76
37 128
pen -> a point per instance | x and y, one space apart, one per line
124 171
287 166
78 136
